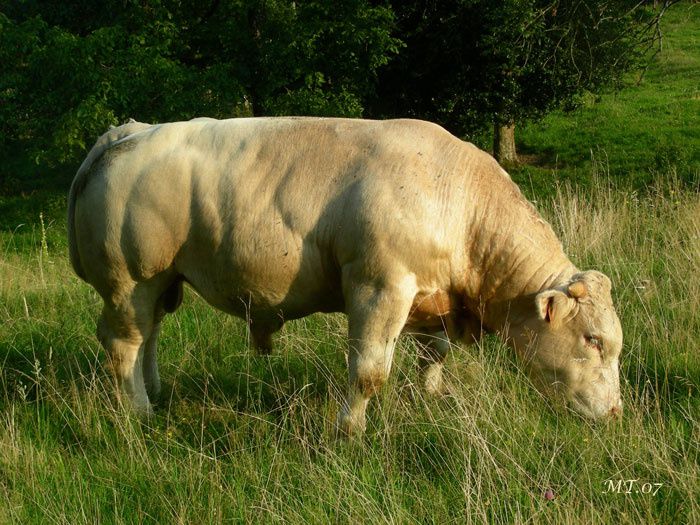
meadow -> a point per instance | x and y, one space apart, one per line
650 127
241 438
245 438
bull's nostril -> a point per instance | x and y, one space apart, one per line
616 411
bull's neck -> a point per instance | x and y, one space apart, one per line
514 252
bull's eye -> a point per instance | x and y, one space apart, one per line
594 342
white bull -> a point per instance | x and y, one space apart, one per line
398 224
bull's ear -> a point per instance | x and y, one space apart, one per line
553 306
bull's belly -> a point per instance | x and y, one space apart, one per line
262 303
263 292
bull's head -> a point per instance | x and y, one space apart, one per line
571 344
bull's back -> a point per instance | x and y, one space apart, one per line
263 213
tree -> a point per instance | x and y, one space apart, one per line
72 68
467 62
62 87
311 57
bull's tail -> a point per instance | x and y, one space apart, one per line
75 190
81 179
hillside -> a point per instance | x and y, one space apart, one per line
645 131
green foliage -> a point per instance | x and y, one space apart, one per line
637 136
64 83
311 58
468 63
68 70
63 89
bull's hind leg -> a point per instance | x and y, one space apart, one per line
376 317
168 302
151 376
124 328
433 349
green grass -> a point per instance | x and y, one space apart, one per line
242 438
644 132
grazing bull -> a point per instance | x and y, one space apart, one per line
398 224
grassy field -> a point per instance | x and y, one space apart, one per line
645 131
238 437
242 438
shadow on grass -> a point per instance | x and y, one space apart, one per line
259 383
31 357
258 403
265 384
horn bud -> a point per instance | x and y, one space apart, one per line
578 290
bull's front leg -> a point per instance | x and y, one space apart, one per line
432 352
433 349
376 317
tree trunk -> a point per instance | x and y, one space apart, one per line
504 143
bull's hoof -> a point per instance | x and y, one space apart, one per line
433 383
436 391
144 412
263 350
153 390
349 428
141 408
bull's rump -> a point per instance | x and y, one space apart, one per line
266 214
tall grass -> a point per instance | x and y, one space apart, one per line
241 438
